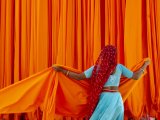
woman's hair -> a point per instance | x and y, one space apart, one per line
104 66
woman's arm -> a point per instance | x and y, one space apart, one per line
138 73
70 74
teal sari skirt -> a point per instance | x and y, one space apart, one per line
109 107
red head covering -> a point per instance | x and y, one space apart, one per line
104 66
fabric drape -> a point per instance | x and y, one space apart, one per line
55 94
34 34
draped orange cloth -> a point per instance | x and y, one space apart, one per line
54 93
34 34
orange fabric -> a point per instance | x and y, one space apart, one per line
34 34
55 93
140 40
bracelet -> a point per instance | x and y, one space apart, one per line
142 70
67 73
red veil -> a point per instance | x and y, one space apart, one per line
104 66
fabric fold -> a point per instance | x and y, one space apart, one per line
54 93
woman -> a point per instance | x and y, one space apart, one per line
105 102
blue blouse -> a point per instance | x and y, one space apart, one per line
114 79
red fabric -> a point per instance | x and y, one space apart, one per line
104 66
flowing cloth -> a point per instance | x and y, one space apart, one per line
55 94
103 68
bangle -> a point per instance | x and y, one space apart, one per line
67 73
142 70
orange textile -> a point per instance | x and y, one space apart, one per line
54 93
34 34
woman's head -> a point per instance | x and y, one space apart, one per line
107 59
108 54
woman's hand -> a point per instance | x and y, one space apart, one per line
137 74
57 68
147 62
74 75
